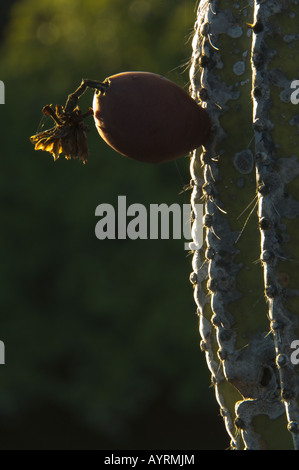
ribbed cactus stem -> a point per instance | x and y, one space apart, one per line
213 321
274 202
244 275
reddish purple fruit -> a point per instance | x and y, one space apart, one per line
147 117
139 114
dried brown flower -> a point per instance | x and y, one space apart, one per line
67 137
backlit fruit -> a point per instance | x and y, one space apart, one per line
141 115
149 118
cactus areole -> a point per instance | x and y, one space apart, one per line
141 115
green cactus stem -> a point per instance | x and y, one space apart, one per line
245 284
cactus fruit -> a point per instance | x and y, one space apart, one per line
149 118
141 115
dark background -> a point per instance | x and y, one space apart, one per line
101 337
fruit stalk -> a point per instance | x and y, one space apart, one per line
73 98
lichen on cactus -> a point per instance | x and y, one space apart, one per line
244 277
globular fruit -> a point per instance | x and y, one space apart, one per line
147 117
141 115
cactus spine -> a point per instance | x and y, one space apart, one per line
245 56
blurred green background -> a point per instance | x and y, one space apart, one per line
101 337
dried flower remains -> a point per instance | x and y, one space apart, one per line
67 137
